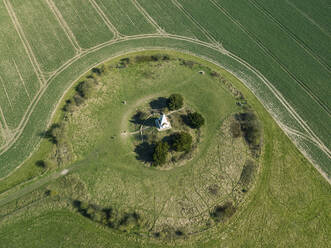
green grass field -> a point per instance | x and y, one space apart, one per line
278 50
289 198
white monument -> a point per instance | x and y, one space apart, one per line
162 123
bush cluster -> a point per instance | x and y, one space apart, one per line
223 212
54 133
108 217
247 173
160 153
195 120
123 63
84 90
154 57
251 130
181 142
175 101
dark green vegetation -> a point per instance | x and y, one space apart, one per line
175 101
195 120
155 146
269 198
160 153
181 142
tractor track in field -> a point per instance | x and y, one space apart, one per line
33 60
148 17
70 35
296 39
311 20
274 57
215 47
196 23
103 16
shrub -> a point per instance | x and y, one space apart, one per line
54 133
69 106
175 101
235 129
78 100
214 74
251 130
221 213
41 164
181 142
160 153
188 63
142 58
156 57
195 120
98 70
247 173
129 222
85 88
123 63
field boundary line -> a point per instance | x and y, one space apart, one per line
64 25
103 16
297 40
205 44
28 49
22 80
148 17
311 20
274 57
6 93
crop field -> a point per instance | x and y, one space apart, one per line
279 50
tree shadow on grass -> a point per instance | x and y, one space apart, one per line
144 152
150 122
159 103
138 118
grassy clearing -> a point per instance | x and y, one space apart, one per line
126 17
85 23
110 176
290 200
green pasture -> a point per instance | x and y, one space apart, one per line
46 46
39 43
289 198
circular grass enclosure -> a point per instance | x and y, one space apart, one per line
116 188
